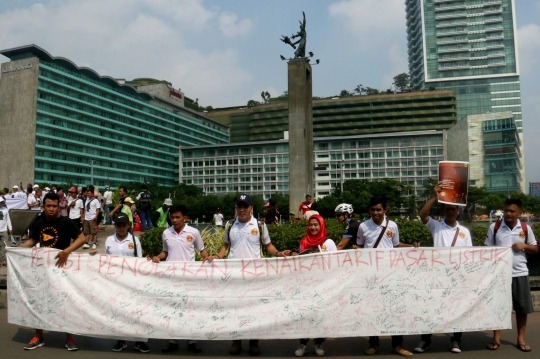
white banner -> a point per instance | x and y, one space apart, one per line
341 294
16 203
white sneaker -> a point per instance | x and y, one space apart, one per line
319 351
300 351
454 348
94 246
85 246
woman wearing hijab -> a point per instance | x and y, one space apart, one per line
63 203
316 240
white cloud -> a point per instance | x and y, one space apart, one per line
371 21
231 27
139 38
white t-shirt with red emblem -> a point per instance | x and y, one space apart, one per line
505 237
328 246
181 246
443 234
124 248
245 239
369 231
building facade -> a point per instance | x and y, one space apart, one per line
62 122
348 116
491 144
469 46
263 167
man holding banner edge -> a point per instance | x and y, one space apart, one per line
54 231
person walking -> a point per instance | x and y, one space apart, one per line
163 213
107 203
75 207
218 218
89 218
5 230
448 233
145 208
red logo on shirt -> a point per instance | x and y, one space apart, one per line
189 238
461 234
131 246
521 234
254 232
389 233
323 248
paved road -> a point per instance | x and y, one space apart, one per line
13 338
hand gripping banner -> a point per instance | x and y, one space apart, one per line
341 294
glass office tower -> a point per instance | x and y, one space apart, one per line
468 46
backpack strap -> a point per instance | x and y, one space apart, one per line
495 230
380 235
455 236
134 246
525 231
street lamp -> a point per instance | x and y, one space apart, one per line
92 172
342 165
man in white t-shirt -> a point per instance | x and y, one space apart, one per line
76 207
179 243
89 217
15 193
244 238
34 200
218 218
107 203
448 233
380 232
511 232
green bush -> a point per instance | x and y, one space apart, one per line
414 231
478 234
288 236
152 242
536 230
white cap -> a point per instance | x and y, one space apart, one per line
35 186
167 202
47 189
17 187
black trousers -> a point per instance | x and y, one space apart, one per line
317 341
396 340
457 337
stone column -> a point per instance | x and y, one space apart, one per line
300 132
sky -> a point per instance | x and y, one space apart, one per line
225 53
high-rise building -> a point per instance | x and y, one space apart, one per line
62 123
469 46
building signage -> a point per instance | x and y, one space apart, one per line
13 68
173 93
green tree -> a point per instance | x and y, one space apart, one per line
402 82
253 103
345 93
493 202
265 95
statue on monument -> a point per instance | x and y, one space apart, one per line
302 35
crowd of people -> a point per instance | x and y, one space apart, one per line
244 236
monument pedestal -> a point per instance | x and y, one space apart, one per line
300 132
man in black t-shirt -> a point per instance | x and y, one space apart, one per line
344 214
54 231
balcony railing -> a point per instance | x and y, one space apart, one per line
451 16
450 7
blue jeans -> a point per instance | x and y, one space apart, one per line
107 211
146 219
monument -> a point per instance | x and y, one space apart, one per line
300 120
